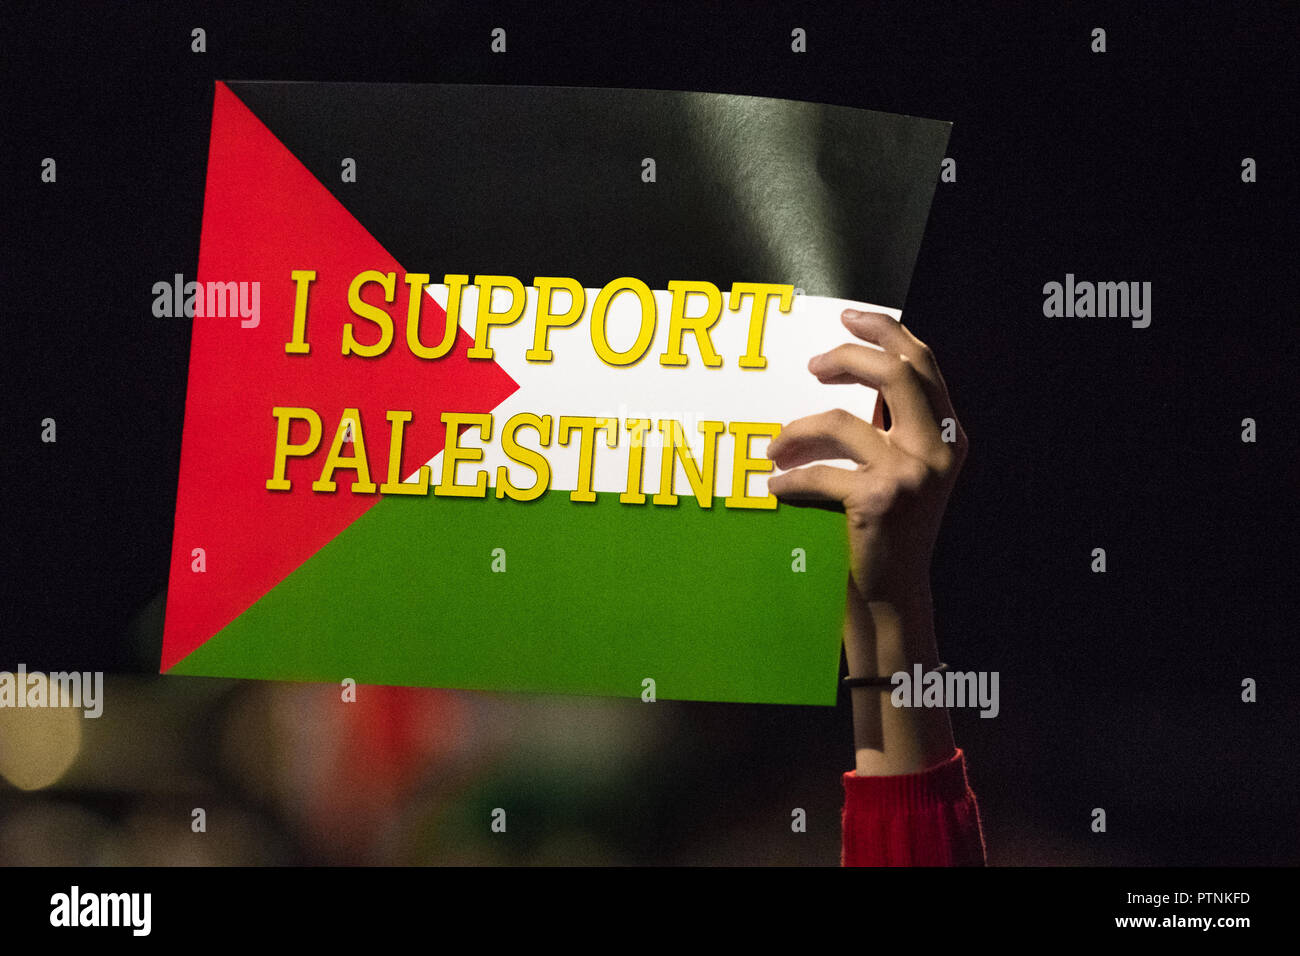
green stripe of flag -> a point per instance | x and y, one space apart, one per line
705 603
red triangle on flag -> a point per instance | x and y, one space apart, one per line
264 216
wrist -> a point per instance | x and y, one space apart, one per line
882 637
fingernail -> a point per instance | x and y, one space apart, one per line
814 362
852 314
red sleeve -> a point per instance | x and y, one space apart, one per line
929 818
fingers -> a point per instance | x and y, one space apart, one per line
818 485
834 434
904 371
893 336
915 428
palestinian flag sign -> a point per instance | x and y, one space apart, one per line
491 410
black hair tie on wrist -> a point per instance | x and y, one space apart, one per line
882 681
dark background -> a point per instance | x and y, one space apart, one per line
1119 690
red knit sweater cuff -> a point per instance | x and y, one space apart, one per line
929 818
944 783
